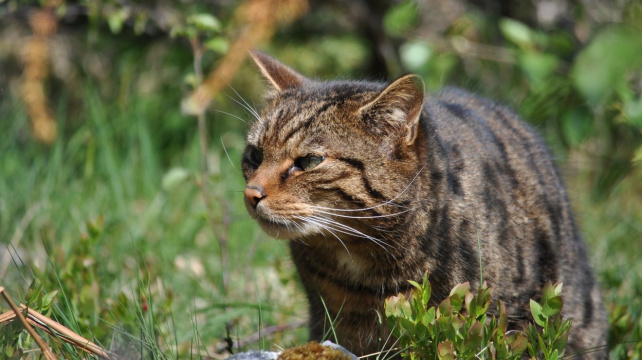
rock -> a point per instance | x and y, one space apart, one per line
255 355
273 355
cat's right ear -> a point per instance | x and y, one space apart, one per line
398 107
280 76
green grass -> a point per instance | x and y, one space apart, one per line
90 216
113 212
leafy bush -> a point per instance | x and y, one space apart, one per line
462 327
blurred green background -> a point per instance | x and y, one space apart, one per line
103 178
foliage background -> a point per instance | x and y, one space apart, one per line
102 177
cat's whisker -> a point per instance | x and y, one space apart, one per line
247 108
245 104
230 114
358 217
345 229
311 221
228 156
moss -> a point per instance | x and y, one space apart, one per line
313 350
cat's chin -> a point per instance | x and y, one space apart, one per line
284 231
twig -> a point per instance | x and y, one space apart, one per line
202 132
260 18
57 330
45 349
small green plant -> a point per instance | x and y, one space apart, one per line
549 334
461 327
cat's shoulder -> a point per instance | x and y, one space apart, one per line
455 95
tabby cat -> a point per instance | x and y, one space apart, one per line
375 184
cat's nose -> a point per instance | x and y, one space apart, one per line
253 195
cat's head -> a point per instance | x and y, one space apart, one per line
328 157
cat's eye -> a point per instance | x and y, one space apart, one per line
308 162
254 157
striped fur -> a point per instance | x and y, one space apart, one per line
409 184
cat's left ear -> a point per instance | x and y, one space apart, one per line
399 106
280 76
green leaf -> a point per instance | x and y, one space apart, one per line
536 311
429 316
602 64
397 306
116 19
445 308
502 320
421 330
425 291
560 343
577 125
457 296
173 178
552 306
34 292
542 346
633 112
401 18
205 22
474 337
538 67
518 343
218 45
177 31
48 299
548 291
415 284
446 350
469 302
407 325
483 299
460 289
631 103
517 33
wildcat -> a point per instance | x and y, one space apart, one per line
374 184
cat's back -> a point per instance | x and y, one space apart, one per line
492 158
499 176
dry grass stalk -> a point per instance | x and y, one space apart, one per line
52 327
45 349
260 18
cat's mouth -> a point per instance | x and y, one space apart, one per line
281 227
285 229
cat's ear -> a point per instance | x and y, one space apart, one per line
399 106
280 76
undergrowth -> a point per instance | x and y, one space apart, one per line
462 327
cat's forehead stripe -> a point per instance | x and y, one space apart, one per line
304 125
290 120
274 125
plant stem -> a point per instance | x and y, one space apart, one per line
221 236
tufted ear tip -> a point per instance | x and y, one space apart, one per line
280 76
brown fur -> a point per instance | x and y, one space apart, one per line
408 184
